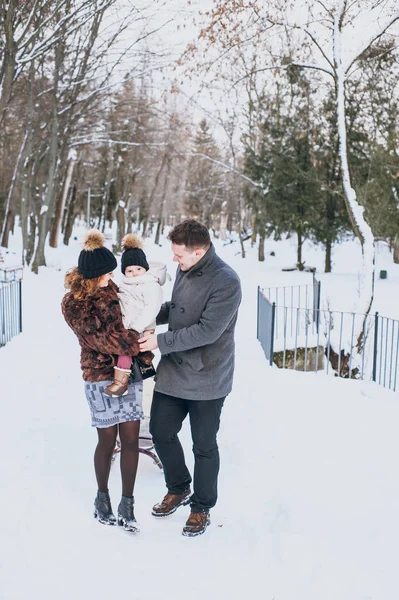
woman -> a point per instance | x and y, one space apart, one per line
91 308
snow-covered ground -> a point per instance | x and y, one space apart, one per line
308 485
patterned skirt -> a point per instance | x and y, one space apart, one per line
106 411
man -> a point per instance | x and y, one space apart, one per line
195 372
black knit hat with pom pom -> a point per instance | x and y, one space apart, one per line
95 259
132 254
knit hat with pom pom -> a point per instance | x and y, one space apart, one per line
95 259
132 254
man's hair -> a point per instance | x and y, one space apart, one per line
190 233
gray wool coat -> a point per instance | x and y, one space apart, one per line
197 361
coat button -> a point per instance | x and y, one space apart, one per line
172 305
179 360
169 342
182 309
200 273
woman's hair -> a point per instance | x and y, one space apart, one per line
80 286
190 233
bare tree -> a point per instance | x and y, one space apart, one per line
30 29
317 37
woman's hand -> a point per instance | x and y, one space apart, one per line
149 341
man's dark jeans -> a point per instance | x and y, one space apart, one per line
167 416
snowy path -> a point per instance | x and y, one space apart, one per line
309 492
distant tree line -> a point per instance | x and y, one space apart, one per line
77 144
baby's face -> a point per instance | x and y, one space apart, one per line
134 271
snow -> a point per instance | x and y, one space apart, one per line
72 154
308 491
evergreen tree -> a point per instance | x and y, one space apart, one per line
204 185
332 221
283 162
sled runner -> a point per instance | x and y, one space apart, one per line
146 445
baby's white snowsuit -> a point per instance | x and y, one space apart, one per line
141 297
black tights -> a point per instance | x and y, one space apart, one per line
129 437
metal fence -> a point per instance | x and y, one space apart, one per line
293 296
386 352
301 296
265 324
349 344
10 303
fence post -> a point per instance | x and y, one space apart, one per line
318 295
20 305
316 302
375 347
2 317
272 333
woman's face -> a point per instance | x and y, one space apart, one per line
104 279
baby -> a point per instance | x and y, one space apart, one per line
140 297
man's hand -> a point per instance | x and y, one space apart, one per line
149 341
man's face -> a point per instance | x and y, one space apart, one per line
186 257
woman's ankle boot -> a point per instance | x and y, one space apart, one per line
126 515
103 509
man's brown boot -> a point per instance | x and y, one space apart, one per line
119 387
196 524
170 503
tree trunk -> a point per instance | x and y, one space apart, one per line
158 231
129 209
153 191
327 264
253 229
162 206
48 201
40 259
25 202
243 247
12 198
223 224
8 221
396 250
355 211
261 249
299 262
9 59
145 227
26 194
328 256
241 226
59 210
70 218
362 230
31 239
121 225
107 188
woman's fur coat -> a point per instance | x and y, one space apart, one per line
97 323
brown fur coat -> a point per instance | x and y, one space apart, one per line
97 323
